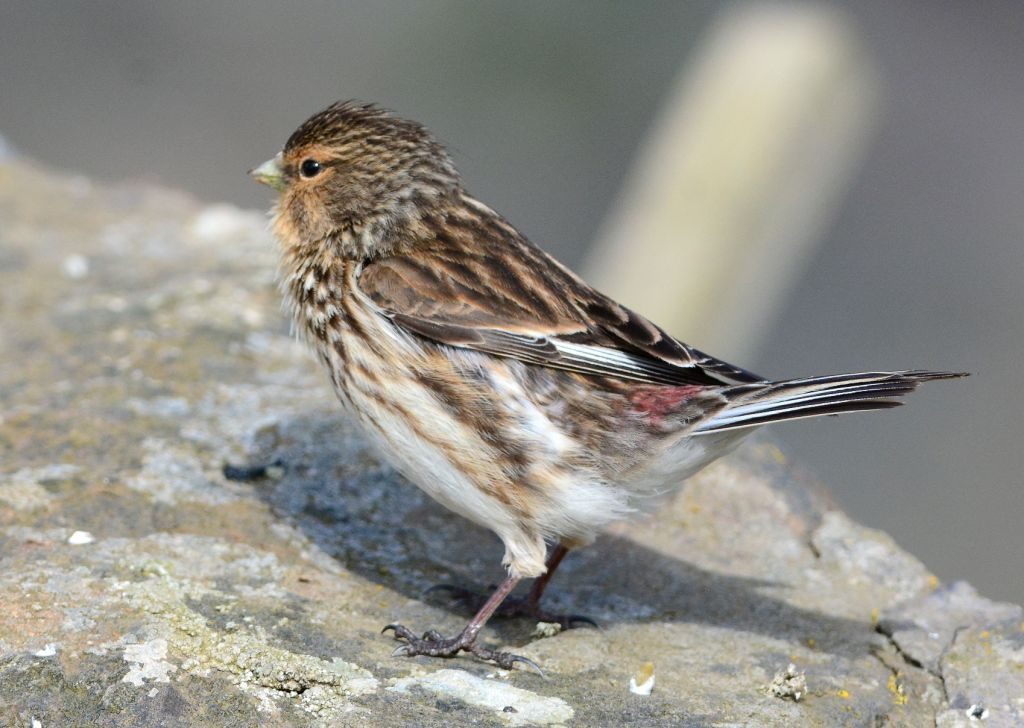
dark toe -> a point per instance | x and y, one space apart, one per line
504 660
401 632
580 620
434 644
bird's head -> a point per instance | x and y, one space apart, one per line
356 176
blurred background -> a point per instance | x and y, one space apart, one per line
909 253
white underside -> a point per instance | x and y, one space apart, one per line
576 502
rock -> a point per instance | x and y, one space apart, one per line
146 357
973 645
510 704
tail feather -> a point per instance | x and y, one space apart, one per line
760 403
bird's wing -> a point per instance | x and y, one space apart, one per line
513 300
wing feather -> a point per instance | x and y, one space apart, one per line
487 288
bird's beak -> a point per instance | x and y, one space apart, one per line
270 173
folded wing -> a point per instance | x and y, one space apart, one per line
507 298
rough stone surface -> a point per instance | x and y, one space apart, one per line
144 351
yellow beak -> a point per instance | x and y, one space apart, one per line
270 173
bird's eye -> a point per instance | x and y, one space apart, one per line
310 168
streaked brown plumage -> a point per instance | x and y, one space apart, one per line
488 373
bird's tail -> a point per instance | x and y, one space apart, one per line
760 403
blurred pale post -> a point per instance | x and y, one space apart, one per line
740 175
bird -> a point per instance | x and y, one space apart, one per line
489 374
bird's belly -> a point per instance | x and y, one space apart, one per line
422 444
430 464
479 444
437 447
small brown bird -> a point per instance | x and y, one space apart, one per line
488 373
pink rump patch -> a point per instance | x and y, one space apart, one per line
658 401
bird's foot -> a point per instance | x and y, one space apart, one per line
513 607
432 644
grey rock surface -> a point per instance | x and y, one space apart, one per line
143 350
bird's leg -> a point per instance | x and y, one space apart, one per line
530 605
434 645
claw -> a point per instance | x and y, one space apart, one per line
244 473
504 660
441 587
433 644
581 619
529 663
